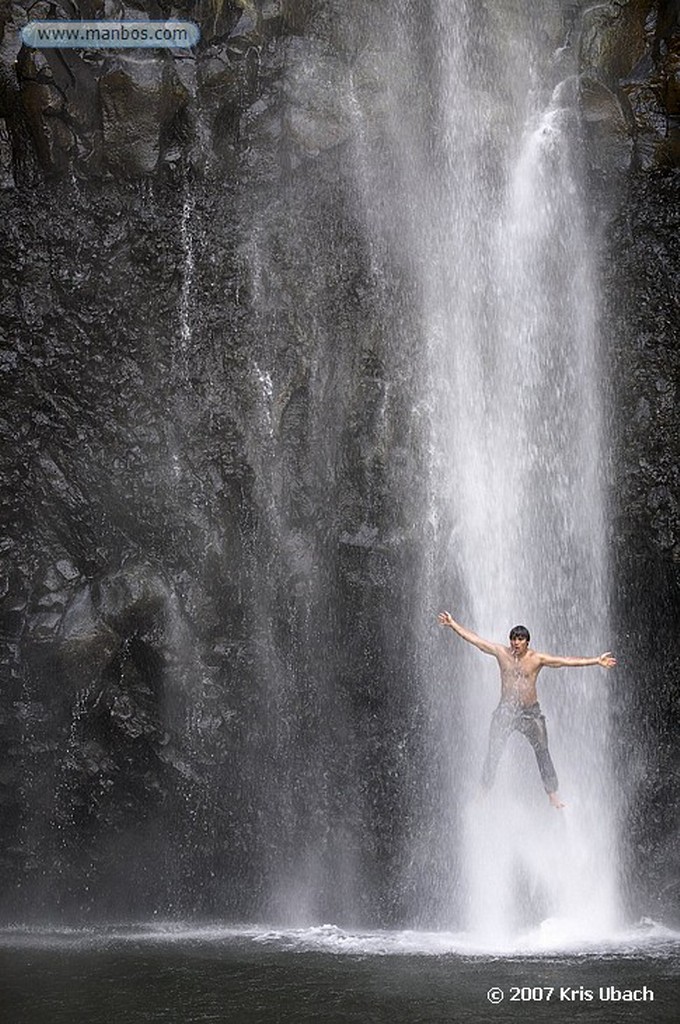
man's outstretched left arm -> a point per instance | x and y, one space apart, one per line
605 660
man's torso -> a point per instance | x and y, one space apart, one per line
518 676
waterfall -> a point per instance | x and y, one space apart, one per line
478 373
519 475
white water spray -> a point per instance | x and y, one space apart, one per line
512 307
460 170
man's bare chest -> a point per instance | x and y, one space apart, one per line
519 670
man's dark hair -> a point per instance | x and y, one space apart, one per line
520 633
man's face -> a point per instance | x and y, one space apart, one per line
519 645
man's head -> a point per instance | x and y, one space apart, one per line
520 633
519 638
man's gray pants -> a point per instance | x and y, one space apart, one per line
510 717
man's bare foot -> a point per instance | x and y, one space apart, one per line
555 801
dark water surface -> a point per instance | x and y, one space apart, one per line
192 980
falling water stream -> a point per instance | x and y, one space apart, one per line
518 441
483 143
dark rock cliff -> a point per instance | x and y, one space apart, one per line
630 54
157 564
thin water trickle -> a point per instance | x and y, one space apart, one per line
187 272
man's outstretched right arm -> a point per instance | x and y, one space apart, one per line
445 619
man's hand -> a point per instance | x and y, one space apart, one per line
606 660
445 619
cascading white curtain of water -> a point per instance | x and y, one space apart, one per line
464 166
511 305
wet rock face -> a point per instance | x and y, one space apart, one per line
629 55
641 318
629 91
128 113
185 611
211 482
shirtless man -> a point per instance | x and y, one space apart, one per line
519 708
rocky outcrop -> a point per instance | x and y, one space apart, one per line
629 55
126 113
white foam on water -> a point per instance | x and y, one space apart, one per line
552 937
